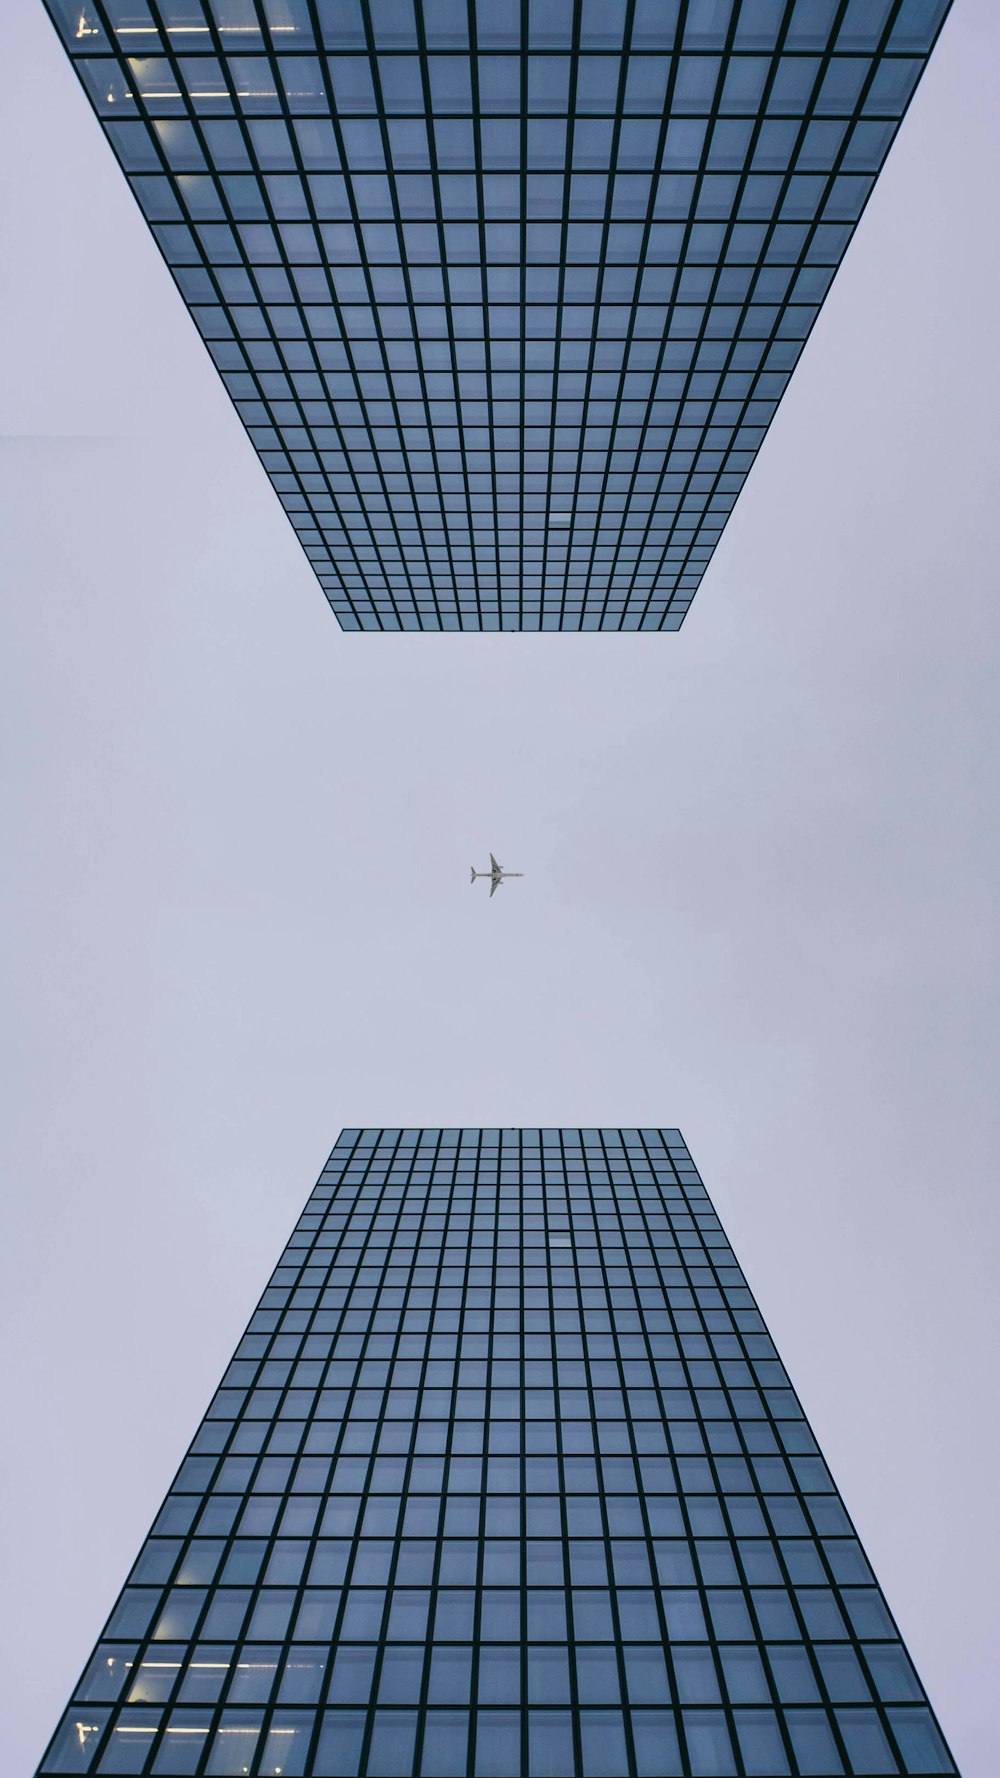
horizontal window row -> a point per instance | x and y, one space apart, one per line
505 1252
452 606
494 1673
564 453
394 616
645 1161
459 247
681 1553
506 1245
452 598
609 1182
736 397
497 502
543 1270
570 456
655 1315
465 605
463 609
405 1298
494 86
599 593
608 1187
578 1414
576 1397
725 319
584 1229
568 1296
688 1471
395 1281
451 601
464 1561
320 1612
394 1285
428 1359
396 1206
268 358
821 197
465 1473
633 1560
702 1518
611 1169
460 607
504 1242
655 1308
561 1277
506 1255
806 1561
387 1203
603 1624
544 28
455 1186
508 1249
499 1672
439 1210
516 1264
559 1152
491 1268
452 1175
500 145
411 1309
452 1743
440 1371
531 562
464 355
540 1157
703 1504
573 1404
413 1189
451 1317
365 1181
579 562
509 1348
562 1144
608 588
563 1137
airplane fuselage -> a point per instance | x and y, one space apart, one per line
496 874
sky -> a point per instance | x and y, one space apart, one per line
758 901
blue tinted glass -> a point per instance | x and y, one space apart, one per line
419 1507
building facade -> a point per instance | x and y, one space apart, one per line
505 1478
505 292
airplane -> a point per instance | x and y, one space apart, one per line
496 874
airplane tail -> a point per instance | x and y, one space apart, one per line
473 873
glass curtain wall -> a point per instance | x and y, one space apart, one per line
505 1478
506 294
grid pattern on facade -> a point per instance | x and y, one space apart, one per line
505 1478
505 292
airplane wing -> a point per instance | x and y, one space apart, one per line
493 863
494 886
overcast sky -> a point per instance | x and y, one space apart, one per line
759 898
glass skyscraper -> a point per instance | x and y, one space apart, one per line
505 291
505 1477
